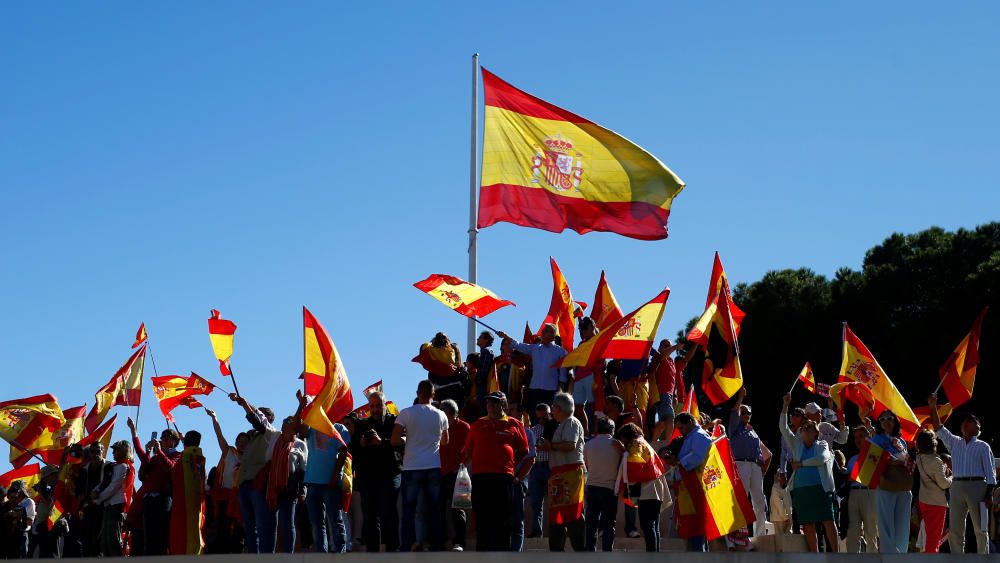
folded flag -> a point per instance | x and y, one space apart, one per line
49 445
958 374
853 392
871 463
24 420
140 336
221 332
606 310
334 400
629 338
464 298
711 500
124 388
858 364
547 168
173 391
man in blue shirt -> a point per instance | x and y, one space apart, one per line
545 379
749 456
693 452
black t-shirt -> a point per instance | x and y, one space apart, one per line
376 461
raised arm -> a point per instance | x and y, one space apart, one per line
786 432
223 444
140 452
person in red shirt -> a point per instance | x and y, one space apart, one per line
158 459
670 385
494 446
451 458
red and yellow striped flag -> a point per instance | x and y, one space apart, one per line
923 414
24 420
719 284
641 463
140 336
606 310
547 168
334 400
870 465
718 349
628 338
807 378
49 445
711 501
958 374
464 298
858 364
173 391
853 392
221 332
101 435
124 388
562 308
29 474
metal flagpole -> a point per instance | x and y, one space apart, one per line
473 192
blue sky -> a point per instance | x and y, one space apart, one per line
157 161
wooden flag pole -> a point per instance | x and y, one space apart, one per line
232 375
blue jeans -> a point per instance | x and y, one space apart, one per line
258 522
518 492
600 511
286 521
630 516
538 483
428 482
327 517
893 520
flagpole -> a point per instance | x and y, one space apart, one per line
18 445
473 193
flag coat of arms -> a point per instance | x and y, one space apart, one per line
711 500
49 445
464 298
547 168
628 338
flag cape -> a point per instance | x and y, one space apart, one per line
958 374
140 336
334 400
870 465
187 515
858 364
641 463
854 392
807 378
547 168
566 484
429 361
24 420
629 338
173 390
101 435
719 284
124 388
30 474
711 500
220 332
718 351
464 298
49 445
606 310
923 414
562 310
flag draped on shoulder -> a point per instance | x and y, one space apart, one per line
221 332
24 420
547 168
140 336
711 500
173 391
606 310
562 309
718 351
958 374
333 401
859 364
871 463
464 298
628 338
49 445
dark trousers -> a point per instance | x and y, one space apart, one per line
378 502
457 515
156 523
538 487
534 397
90 536
428 482
491 505
111 531
575 530
600 511
649 521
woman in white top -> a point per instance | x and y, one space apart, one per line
115 498
224 491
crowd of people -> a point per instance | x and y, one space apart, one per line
543 451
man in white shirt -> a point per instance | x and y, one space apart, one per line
18 496
974 470
827 432
422 429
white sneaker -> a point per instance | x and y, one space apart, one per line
456 548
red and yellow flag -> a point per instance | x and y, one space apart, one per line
958 374
628 338
566 483
562 309
30 474
858 364
221 332
124 388
606 310
364 411
854 392
923 414
101 435
719 284
547 168
334 400
173 391
807 378
690 407
641 463
870 465
23 420
467 299
49 445
711 500
140 336
718 349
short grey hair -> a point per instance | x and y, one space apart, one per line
450 407
378 394
564 401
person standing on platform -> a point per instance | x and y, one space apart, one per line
546 380
567 477
451 458
862 512
749 458
378 463
934 484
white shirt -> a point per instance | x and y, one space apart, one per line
569 430
603 460
114 493
229 469
969 459
424 426
29 511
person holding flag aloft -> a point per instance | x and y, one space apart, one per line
749 457
546 379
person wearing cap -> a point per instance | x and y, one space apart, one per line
24 507
602 455
545 380
494 446
974 478
827 432
115 496
749 456
862 512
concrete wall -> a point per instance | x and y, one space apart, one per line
546 557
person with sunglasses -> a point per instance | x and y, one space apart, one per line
894 496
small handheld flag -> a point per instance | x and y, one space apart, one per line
807 379
140 336
221 332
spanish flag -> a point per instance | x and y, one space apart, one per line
853 392
140 336
550 169
173 391
711 501
124 388
364 411
187 514
49 445
464 298
719 284
923 414
628 338
30 474
641 463
870 465
220 332
858 364
807 378
101 435
566 485
606 310
23 420
958 374
562 308
718 351
334 400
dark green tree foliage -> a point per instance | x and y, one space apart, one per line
914 299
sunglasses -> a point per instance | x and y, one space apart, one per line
886 419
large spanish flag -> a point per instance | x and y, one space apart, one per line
49 445
719 283
859 364
221 333
606 309
958 374
711 501
24 420
173 391
322 361
187 515
562 308
547 168
464 298
718 351
124 388
870 465
628 338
